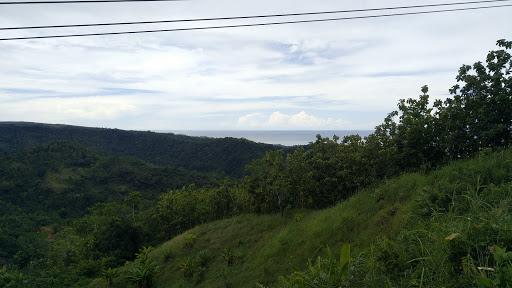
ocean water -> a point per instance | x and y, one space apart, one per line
286 138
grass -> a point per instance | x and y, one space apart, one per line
415 230
266 246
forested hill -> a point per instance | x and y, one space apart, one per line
51 184
426 228
228 155
66 178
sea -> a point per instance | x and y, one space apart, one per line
285 138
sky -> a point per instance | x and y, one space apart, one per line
318 76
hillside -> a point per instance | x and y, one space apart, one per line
423 201
51 184
416 230
228 155
67 178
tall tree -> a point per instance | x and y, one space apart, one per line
480 113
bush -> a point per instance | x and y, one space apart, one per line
189 240
143 270
168 254
11 279
196 266
499 276
109 275
326 272
229 257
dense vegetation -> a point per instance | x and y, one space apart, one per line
227 155
45 187
447 228
420 135
66 178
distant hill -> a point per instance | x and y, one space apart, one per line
67 178
228 155
53 183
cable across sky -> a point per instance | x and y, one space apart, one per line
80 2
316 13
256 24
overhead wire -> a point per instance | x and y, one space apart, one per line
252 16
256 24
79 2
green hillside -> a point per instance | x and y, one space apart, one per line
50 184
423 201
228 155
67 178
416 230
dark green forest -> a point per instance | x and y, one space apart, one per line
228 156
402 207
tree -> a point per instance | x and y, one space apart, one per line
417 142
302 186
479 115
117 238
325 164
267 182
133 200
381 148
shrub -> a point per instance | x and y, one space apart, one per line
168 254
326 272
109 275
203 258
188 267
196 266
189 240
229 256
499 276
144 269
10 279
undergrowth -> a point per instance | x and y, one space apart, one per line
448 228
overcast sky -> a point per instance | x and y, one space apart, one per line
337 75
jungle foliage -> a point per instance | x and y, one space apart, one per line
71 214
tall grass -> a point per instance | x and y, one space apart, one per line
449 228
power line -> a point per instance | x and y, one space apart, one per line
255 24
253 16
80 1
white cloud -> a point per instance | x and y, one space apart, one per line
250 120
358 69
76 110
282 121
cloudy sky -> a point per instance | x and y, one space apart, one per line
336 75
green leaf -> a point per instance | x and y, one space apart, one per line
485 282
345 255
452 236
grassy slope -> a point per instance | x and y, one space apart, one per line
270 245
